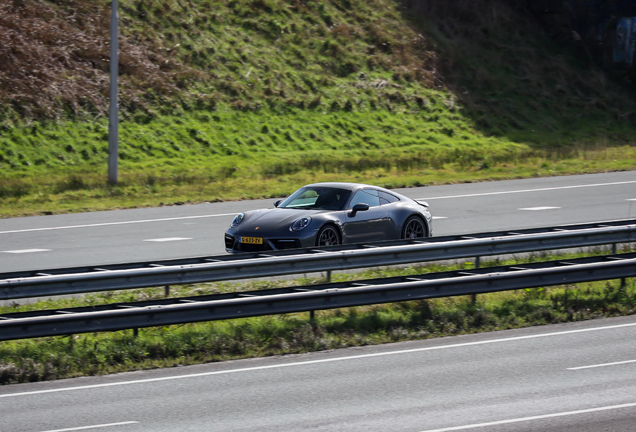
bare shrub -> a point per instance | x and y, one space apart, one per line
54 60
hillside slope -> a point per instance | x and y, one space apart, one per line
199 54
55 54
209 87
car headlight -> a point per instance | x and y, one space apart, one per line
300 224
237 219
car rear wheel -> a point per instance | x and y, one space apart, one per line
328 236
413 228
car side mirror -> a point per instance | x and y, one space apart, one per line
359 207
277 203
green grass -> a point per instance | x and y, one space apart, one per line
102 353
231 156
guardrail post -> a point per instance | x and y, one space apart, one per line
473 297
135 332
167 290
613 248
312 316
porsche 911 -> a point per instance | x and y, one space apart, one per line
325 214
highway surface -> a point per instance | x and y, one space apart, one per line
197 230
571 377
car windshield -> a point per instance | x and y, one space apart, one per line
317 198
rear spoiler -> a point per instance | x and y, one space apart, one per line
422 203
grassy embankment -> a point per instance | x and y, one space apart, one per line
251 99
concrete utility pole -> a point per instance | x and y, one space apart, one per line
113 116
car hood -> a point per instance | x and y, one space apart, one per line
273 218
276 218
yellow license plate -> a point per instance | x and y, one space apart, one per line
251 240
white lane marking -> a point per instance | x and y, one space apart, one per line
539 417
232 214
330 360
602 365
539 208
527 190
20 251
115 223
440 217
167 239
630 199
93 427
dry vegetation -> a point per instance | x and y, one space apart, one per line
55 56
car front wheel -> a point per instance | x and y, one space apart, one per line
327 236
413 228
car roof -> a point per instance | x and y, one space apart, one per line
355 187
343 185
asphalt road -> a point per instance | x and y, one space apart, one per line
572 377
197 230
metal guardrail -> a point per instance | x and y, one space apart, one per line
232 267
314 297
306 251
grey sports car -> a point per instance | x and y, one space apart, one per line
324 214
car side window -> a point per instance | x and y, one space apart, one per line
387 198
366 196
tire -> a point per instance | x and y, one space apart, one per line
328 236
414 228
